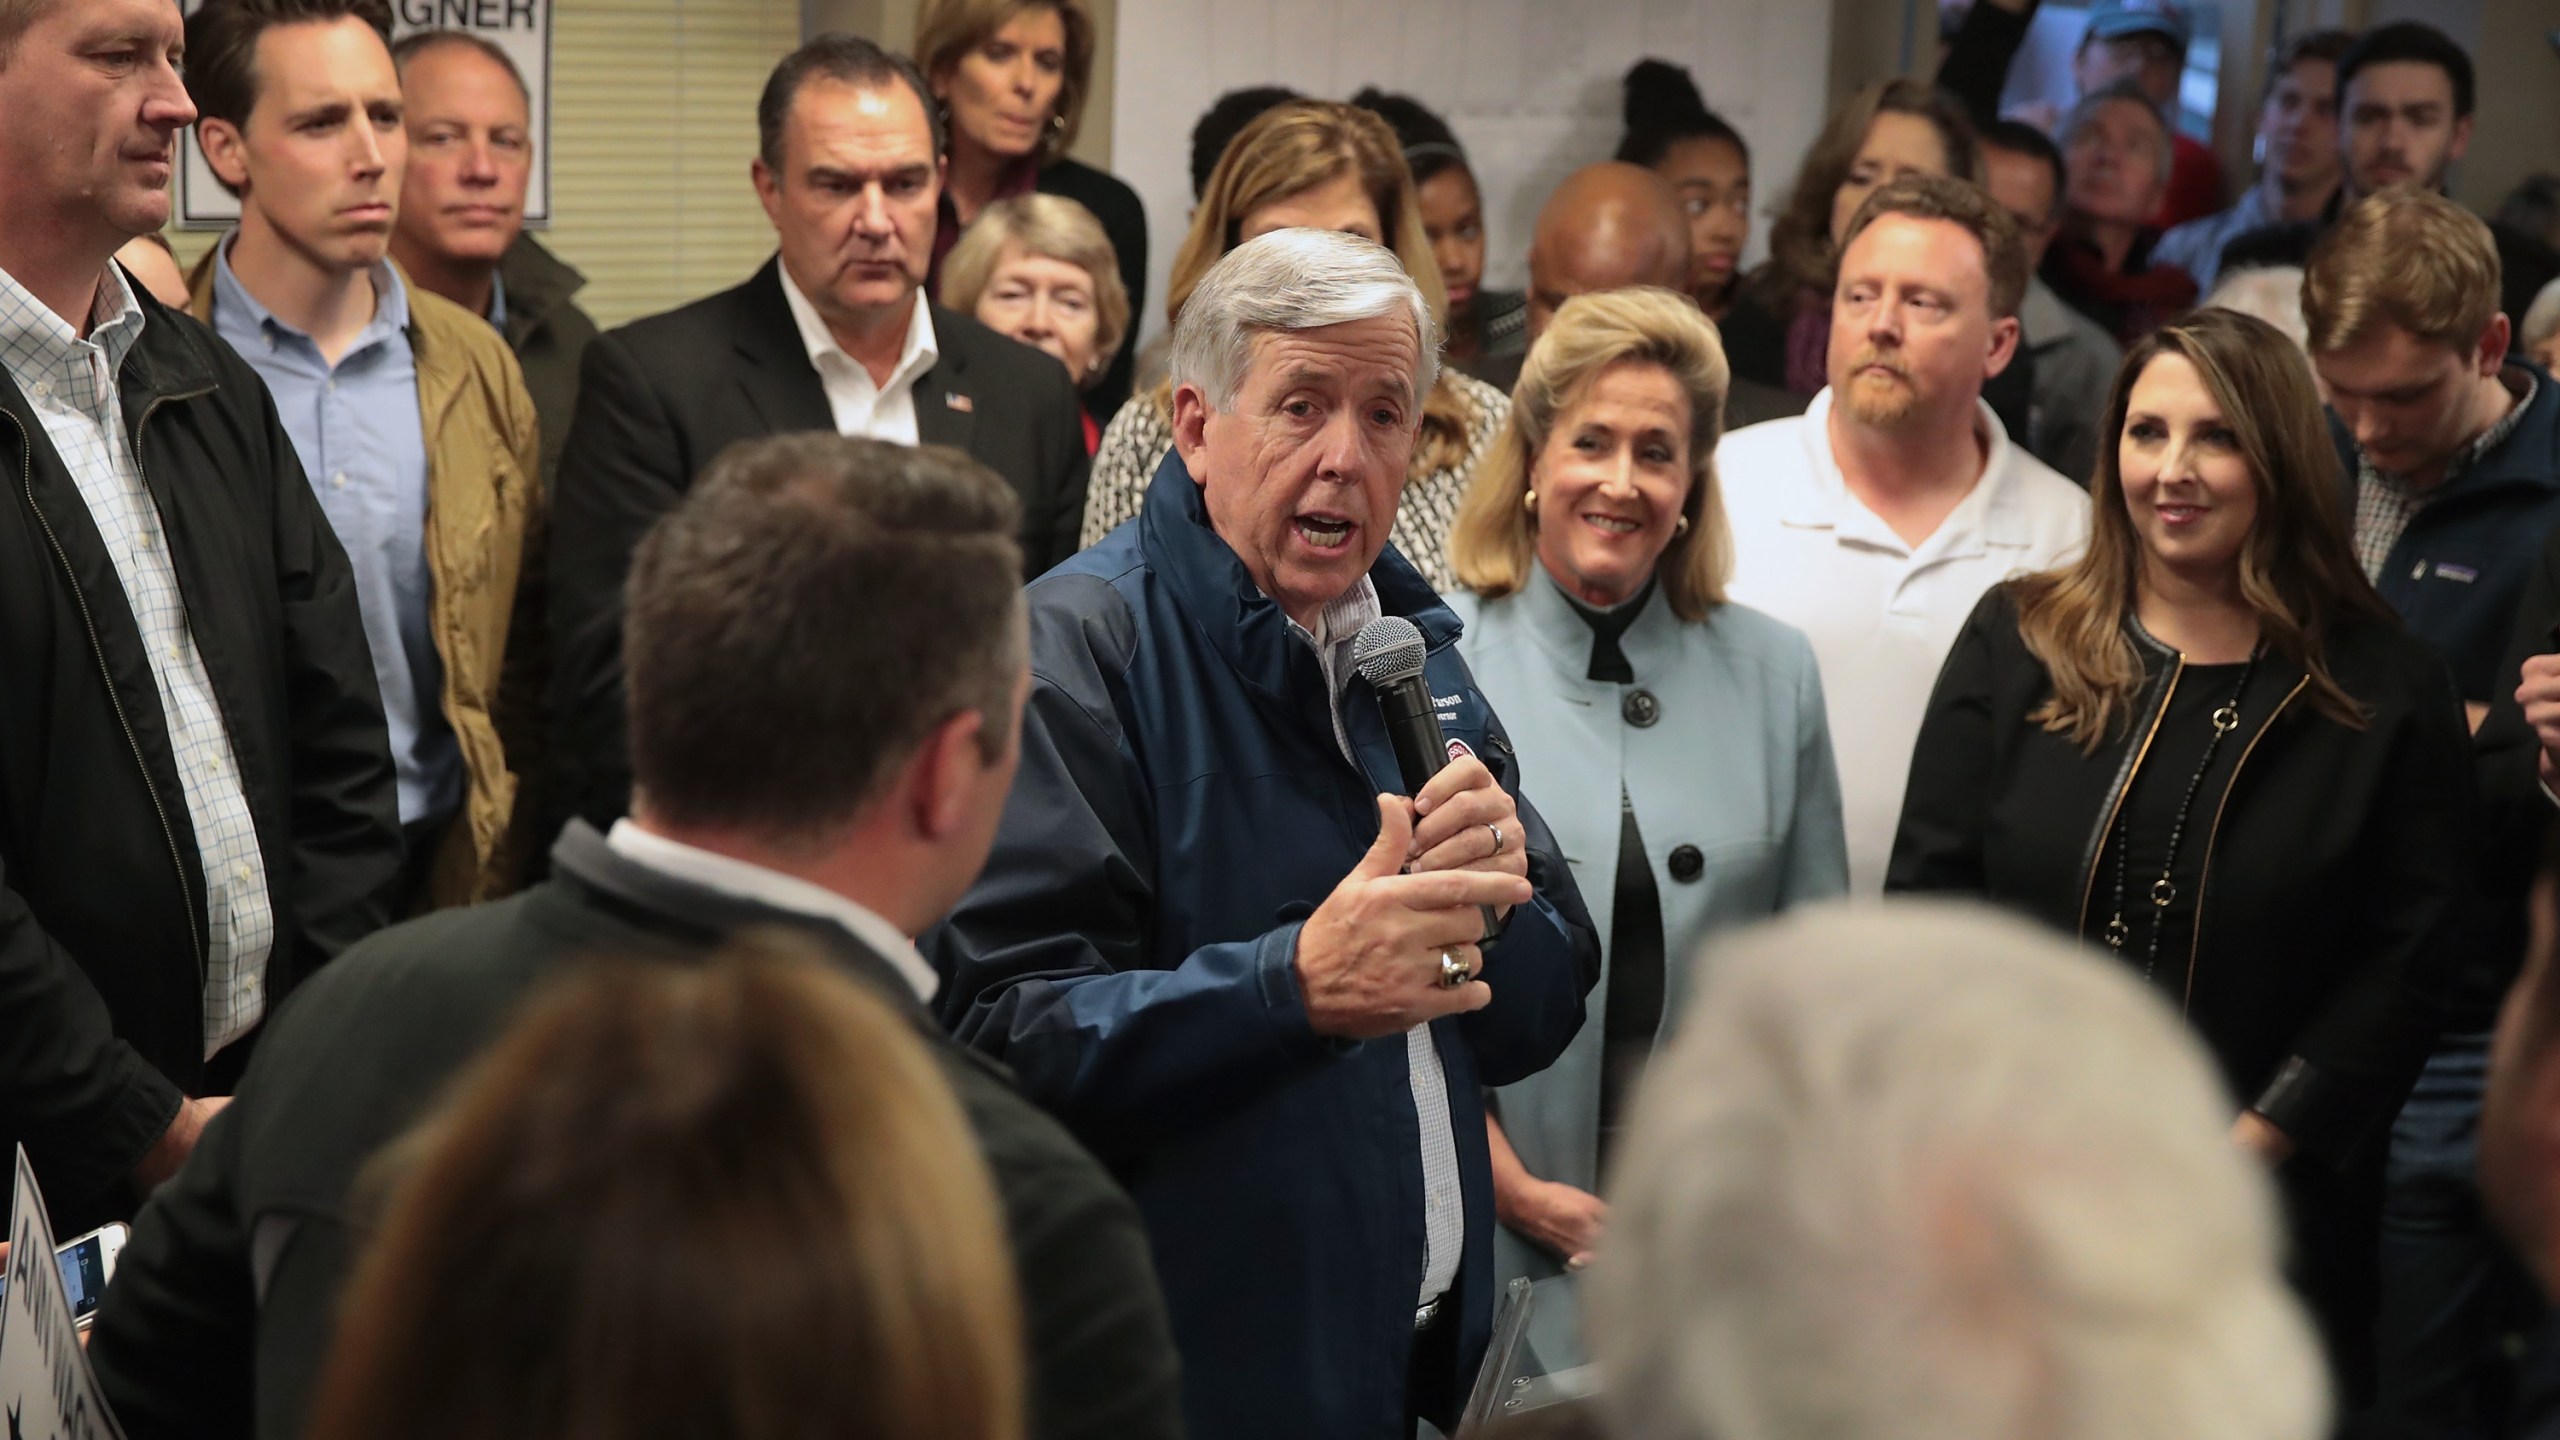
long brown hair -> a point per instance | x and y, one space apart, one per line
1288 150
2298 568
1801 256
727 1201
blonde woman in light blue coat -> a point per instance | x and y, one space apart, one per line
1674 741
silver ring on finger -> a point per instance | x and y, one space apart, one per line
1497 836
1453 971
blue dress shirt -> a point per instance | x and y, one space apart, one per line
356 426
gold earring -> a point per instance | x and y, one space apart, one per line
1529 501
1682 528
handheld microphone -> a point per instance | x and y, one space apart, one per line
1388 652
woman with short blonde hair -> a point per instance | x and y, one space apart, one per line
1493 546
735 1198
1038 269
1326 166
1674 741
1012 77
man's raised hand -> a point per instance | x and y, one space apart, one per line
1369 959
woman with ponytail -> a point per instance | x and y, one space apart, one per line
1488 329
1670 131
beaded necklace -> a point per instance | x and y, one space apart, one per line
2164 890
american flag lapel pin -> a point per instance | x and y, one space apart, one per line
957 401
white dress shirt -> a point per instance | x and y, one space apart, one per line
881 412
1882 614
747 881
1444 1212
71 383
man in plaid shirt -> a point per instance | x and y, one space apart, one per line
196 791
2450 444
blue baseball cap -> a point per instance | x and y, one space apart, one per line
2125 19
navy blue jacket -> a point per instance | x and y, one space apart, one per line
2459 570
1181 808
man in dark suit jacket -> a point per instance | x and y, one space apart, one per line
834 334
842 779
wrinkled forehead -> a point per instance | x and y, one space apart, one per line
883 123
2119 117
454 76
73 24
1379 357
1918 251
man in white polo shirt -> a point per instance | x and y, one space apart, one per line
1876 519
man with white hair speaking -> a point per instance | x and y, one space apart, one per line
1247 978
1920 1172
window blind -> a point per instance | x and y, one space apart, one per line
653 125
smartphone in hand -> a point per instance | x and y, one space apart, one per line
87 1264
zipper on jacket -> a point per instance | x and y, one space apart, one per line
2204 877
2124 787
88 622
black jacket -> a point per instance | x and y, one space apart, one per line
1124 220
1185 800
2458 570
219 1319
2333 859
660 398
102 896
2517 818
550 335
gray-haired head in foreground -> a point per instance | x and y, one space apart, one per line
1923 1172
2541 318
1292 280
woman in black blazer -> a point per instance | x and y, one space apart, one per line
1012 77
2208 748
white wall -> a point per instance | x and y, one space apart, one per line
1530 86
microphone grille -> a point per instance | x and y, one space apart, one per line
1387 651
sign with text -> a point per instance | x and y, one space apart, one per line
521 28
47 1390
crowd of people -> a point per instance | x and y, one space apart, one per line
852 858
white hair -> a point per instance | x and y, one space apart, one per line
2541 318
1924 1172
2272 293
1293 280
2164 151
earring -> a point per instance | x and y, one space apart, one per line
1529 501
1057 124
1682 528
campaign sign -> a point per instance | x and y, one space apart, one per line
47 1390
522 28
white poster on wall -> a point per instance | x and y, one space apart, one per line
522 28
